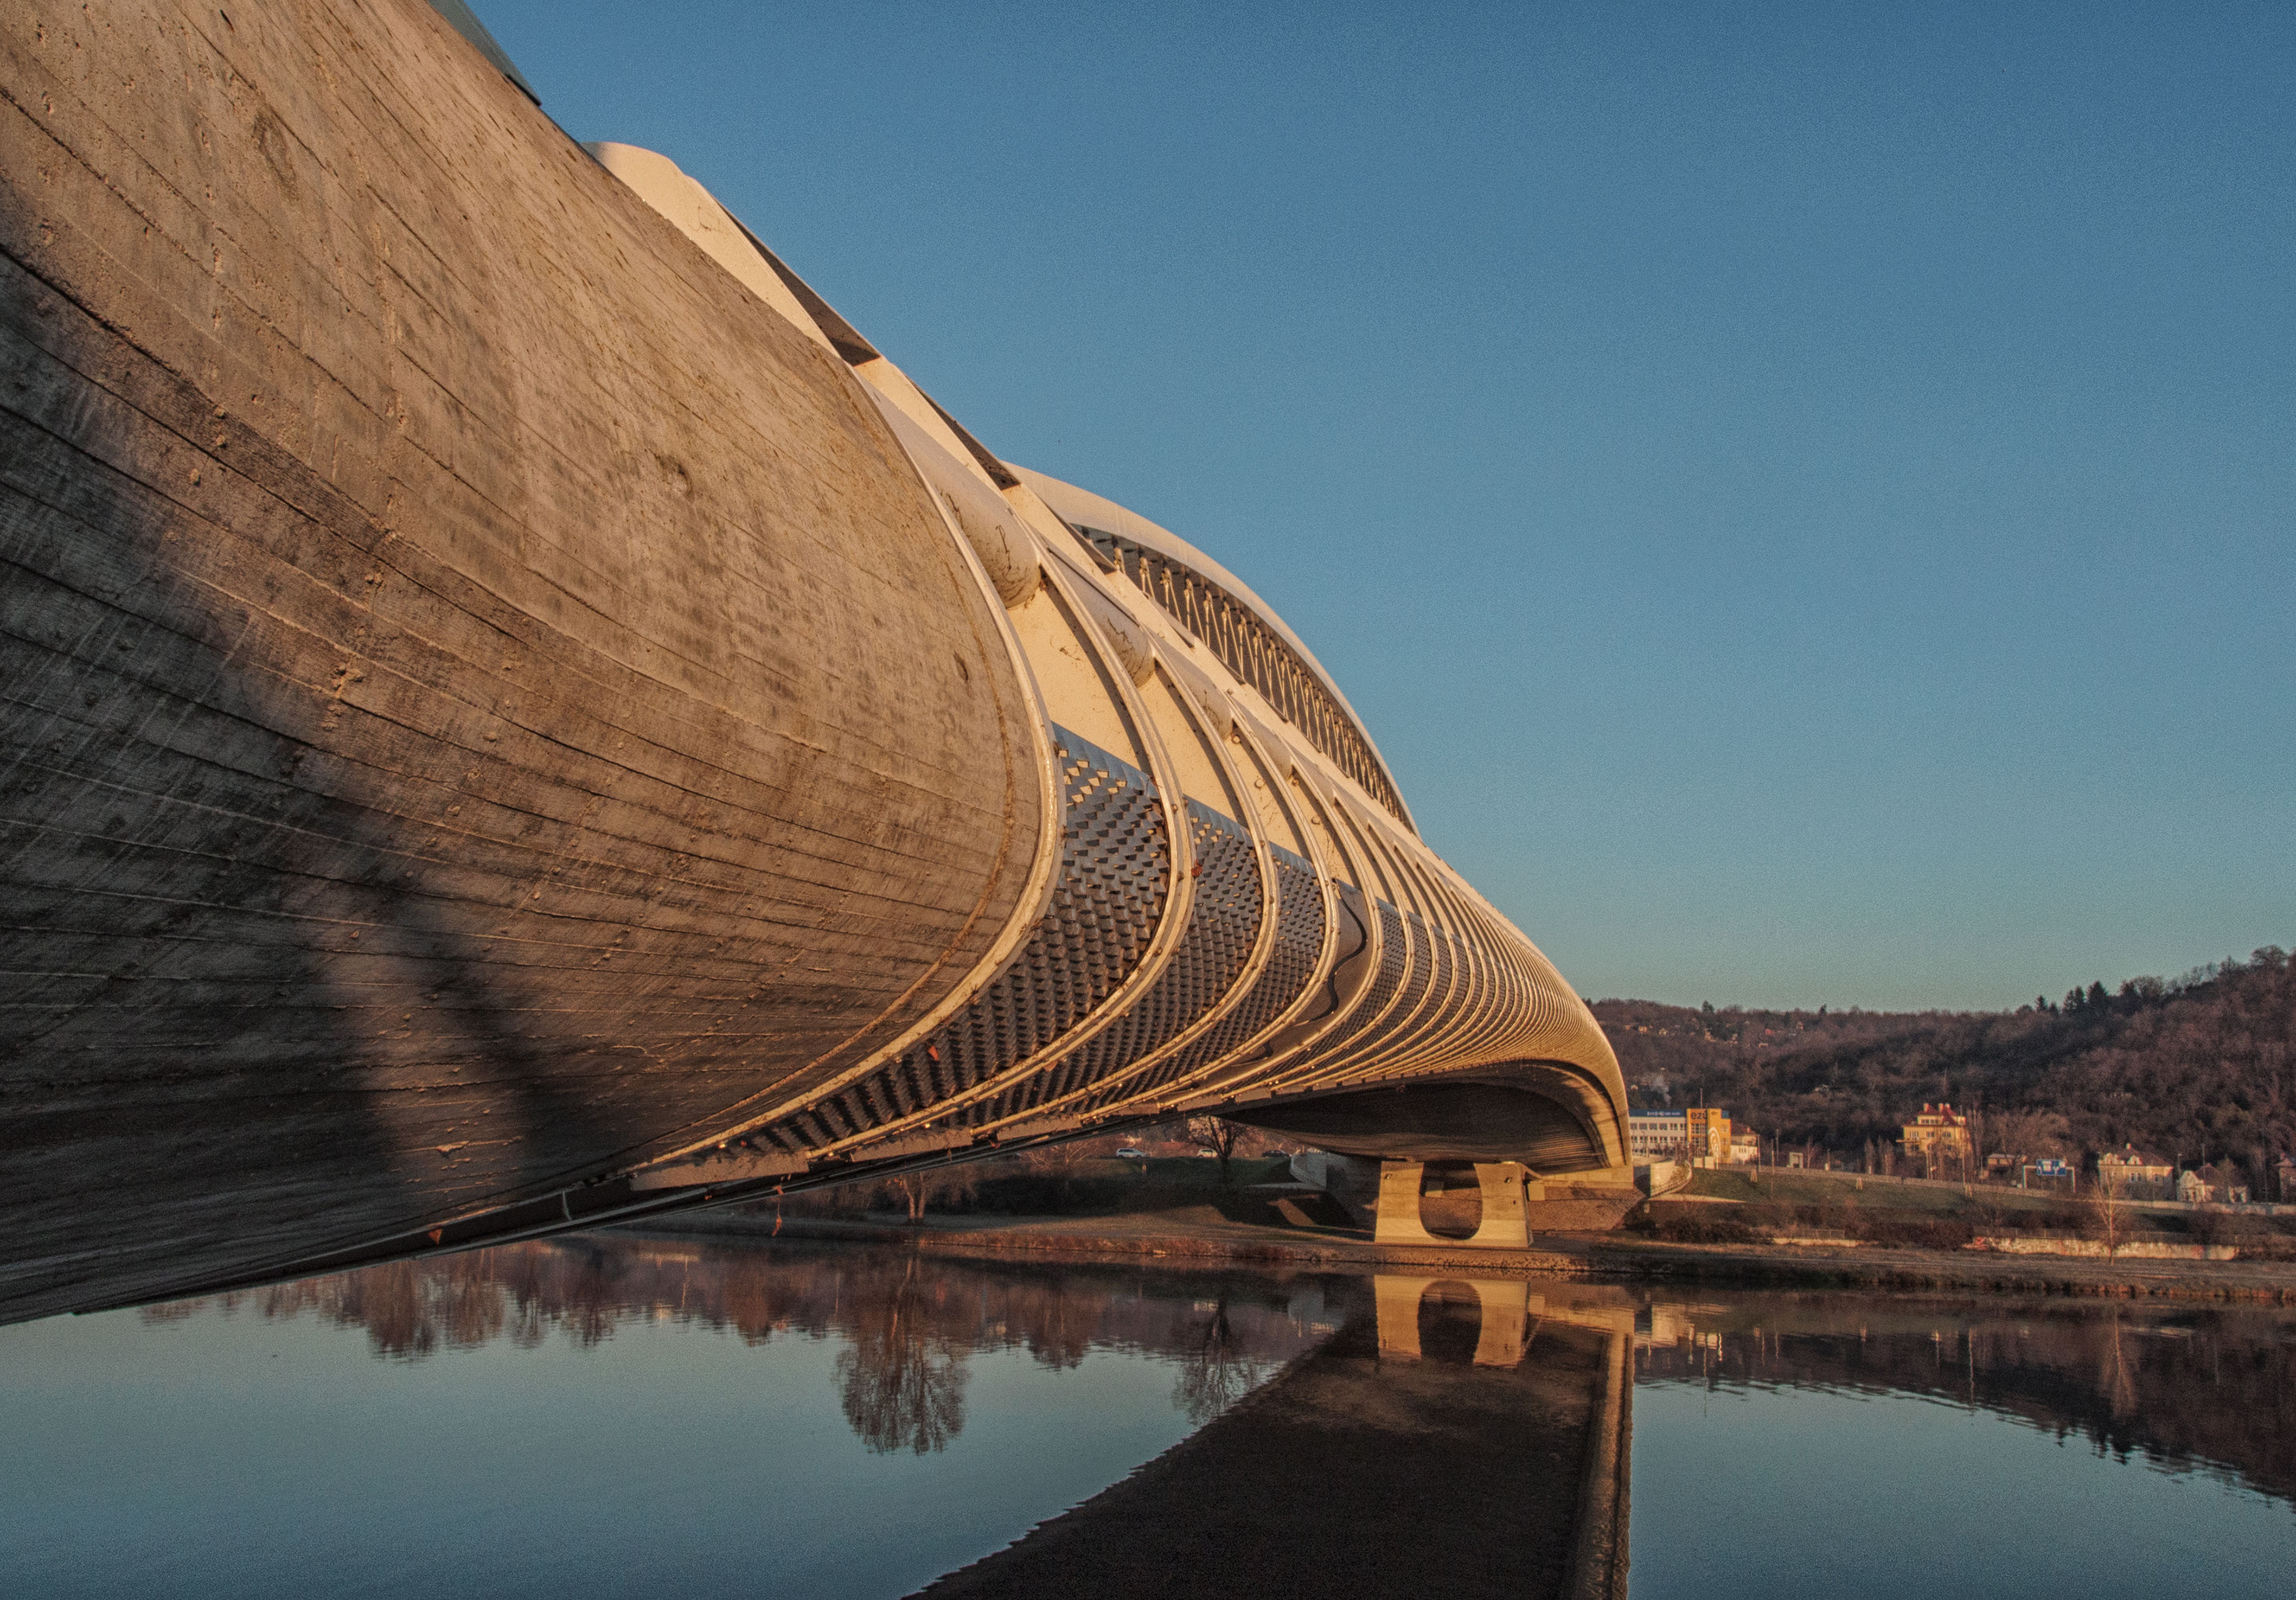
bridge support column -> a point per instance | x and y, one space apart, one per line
1507 1187
1396 1221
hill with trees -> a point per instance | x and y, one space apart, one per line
2199 1067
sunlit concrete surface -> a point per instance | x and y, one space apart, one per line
518 714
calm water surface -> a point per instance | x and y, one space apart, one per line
617 1414
1829 1444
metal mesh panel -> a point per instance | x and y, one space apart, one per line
1298 941
1451 984
1415 985
1392 956
1223 925
1422 982
1115 863
1471 986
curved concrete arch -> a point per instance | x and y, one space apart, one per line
1183 726
1204 782
1406 931
1080 506
1343 975
948 478
1328 723
517 690
1171 926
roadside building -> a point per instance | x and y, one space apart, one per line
2283 1180
1660 1134
2212 1186
2135 1173
1939 1136
1710 1136
1703 1134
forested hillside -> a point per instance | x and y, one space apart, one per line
2200 1065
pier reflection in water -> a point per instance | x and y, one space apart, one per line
624 1415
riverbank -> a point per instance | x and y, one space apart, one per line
1201 1232
1774 1266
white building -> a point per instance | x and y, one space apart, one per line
1657 1133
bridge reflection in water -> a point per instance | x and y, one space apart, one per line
1345 1416
1461 1435
1454 1437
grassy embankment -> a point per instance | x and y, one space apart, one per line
1924 1216
1184 1195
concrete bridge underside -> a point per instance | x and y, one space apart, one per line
518 715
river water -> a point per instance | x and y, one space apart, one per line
696 1416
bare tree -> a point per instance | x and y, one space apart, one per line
1060 1162
1216 1368
902 1380
2110 1209
1217 1134
917 1190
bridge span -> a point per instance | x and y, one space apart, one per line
518 715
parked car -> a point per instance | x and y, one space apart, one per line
1129 1154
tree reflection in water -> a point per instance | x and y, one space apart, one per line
413 1309
1217 1369
902 1378
911 1323
2184 1386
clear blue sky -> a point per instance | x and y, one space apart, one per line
1802 497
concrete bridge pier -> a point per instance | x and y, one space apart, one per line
1506 1186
